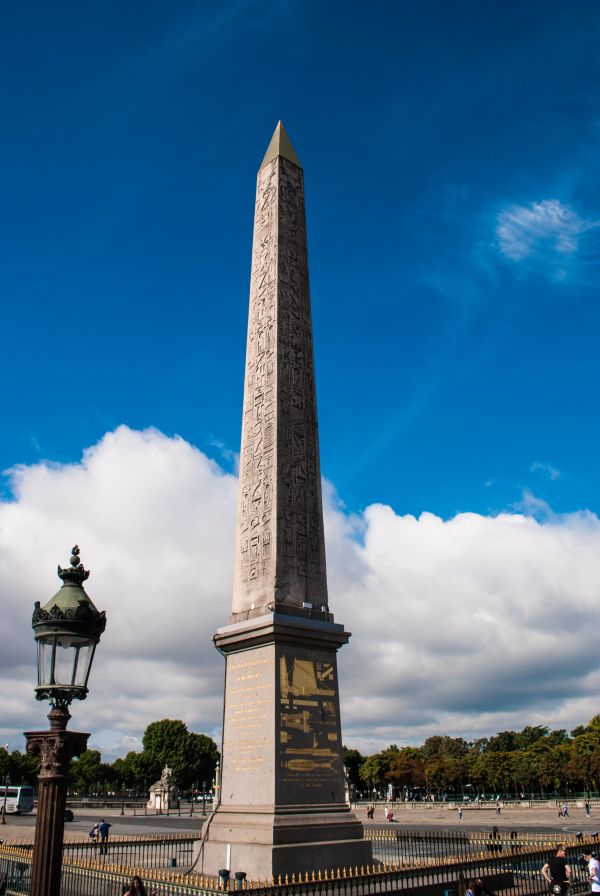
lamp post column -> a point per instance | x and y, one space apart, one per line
56 748
6 786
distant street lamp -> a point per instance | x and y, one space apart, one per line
6 786
67 630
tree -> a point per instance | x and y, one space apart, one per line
503 742
191 757
353 760
199 760
374 769
445 747
529 735
497 770
23 768
407 769
140 770
164 740
85 771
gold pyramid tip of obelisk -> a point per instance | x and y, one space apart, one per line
280 145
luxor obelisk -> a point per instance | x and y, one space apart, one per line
282 806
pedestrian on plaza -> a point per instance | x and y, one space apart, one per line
103 829
94 833
593 870
557 873
136 887
495 840
565 810
497 807
586 806
460 811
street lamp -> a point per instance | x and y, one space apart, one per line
67 630
6 786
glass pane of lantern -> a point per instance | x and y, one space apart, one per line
84 659
66 655
44 662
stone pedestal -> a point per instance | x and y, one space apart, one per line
283 807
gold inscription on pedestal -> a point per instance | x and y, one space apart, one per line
248 711
309 723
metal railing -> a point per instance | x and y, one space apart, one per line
514 869
150 851
393 845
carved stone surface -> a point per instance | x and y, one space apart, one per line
280 550
282 805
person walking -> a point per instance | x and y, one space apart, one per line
460 811
586 806
557 872
103 829
593 870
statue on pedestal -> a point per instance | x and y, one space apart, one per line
164 795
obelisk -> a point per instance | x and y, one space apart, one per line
282 798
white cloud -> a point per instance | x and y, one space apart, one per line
465 626
546 231
531 505
548 469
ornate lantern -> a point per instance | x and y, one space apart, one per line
67 630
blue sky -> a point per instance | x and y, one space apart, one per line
453 202
132 136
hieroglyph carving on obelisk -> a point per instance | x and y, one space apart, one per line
280 550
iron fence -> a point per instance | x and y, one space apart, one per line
153 851
391 844
514 872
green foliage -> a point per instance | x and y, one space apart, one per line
407 768
353 761
22 768
445 747
375 769
534 759
86 771
162 740
191 757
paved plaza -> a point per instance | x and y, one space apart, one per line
442 816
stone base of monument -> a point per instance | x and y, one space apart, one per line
266 845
